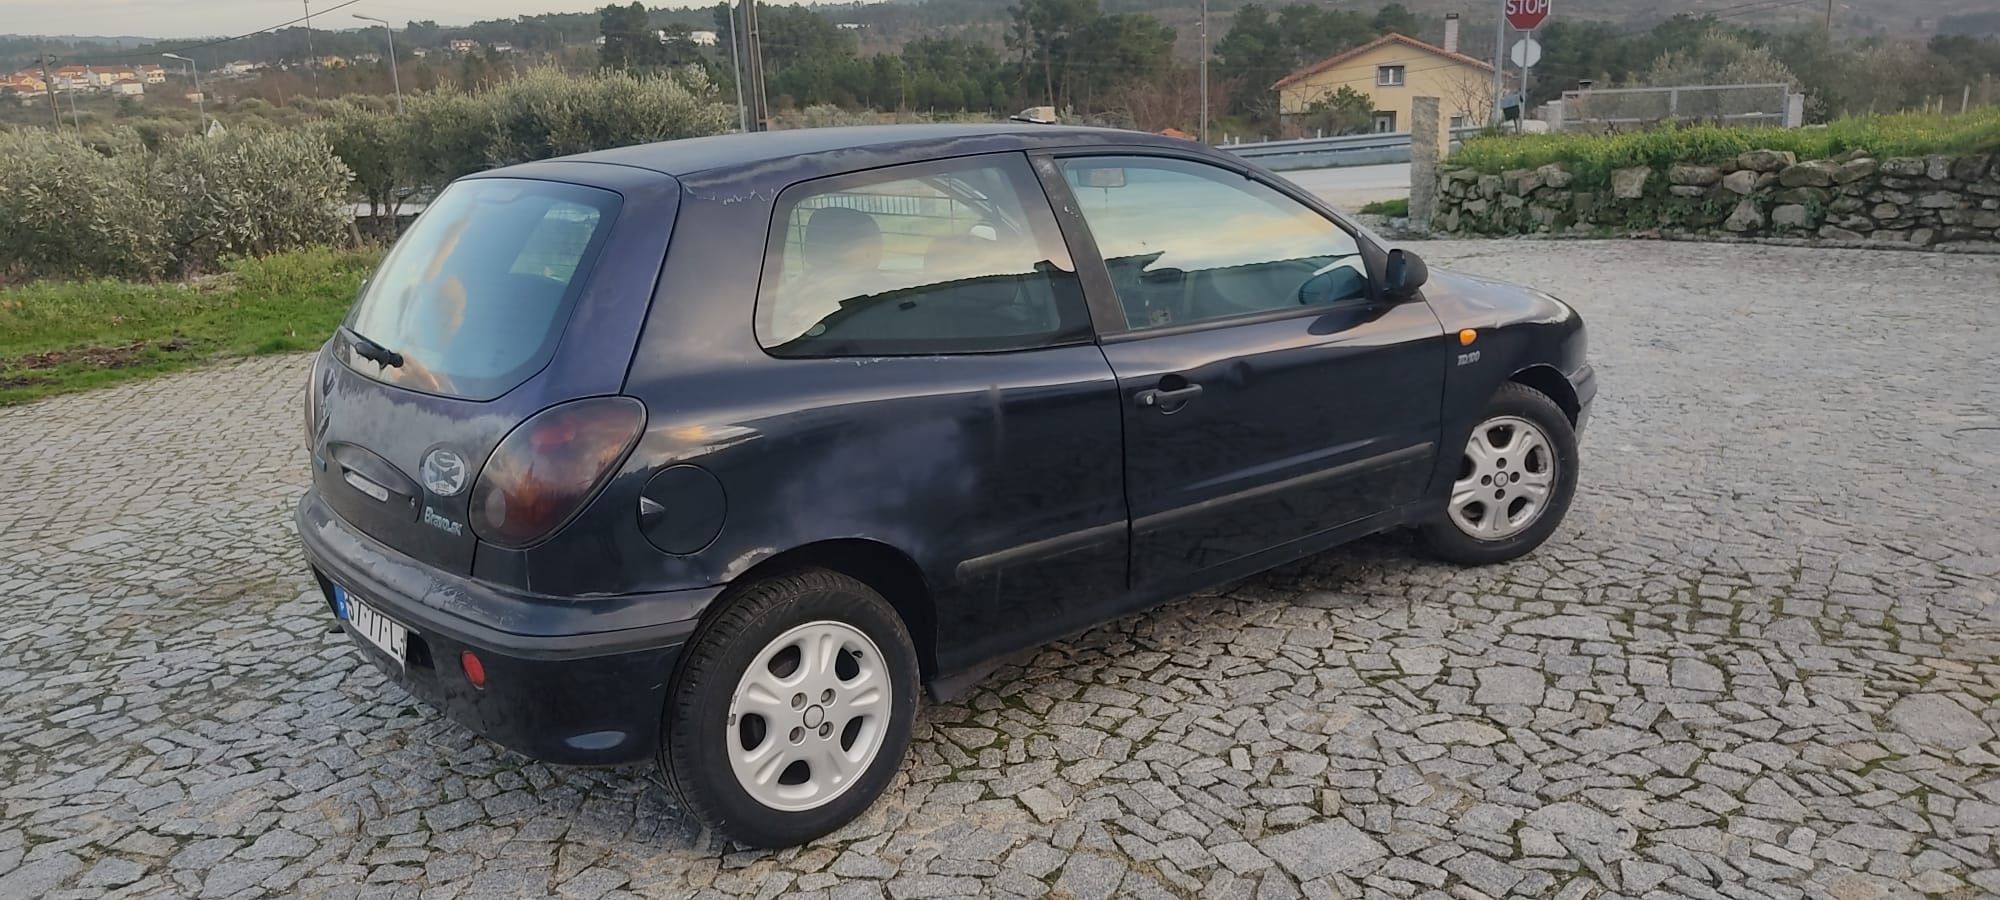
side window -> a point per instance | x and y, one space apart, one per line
958 256
1190 242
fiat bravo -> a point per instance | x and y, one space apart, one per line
722 452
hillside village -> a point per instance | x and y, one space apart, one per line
27 84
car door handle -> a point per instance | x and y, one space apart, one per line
1168 400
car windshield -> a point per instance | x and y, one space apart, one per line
475 296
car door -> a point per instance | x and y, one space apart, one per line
1269 394
927 381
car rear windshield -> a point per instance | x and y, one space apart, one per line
475 296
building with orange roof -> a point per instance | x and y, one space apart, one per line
1392 70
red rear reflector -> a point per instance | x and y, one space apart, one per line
475 671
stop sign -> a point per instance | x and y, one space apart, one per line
1527 15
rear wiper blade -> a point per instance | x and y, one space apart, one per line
374 352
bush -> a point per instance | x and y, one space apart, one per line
65 209
250 195
1591 158
136 213
1397 208
446 134
547 113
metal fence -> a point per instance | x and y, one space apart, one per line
1347 150
1627 109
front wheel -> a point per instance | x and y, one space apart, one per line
792 709
1514 481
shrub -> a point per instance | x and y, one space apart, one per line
1399 207
249 195
447 134
137 213
1592 157
66 209
373 145
547 113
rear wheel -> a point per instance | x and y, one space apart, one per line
1515 478
792 709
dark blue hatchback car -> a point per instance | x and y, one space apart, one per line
715 451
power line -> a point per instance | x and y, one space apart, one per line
205 44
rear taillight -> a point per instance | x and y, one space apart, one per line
313 389
549 466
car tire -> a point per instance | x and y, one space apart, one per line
1477 528
749 710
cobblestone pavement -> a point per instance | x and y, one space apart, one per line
1761 659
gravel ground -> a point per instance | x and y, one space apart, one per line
1761 659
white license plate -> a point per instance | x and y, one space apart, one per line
379 629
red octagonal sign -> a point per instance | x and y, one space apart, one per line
1527 15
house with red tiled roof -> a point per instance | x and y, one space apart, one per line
1392 70
73 78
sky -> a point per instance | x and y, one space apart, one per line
204 18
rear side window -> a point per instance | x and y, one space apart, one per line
475 296
957 256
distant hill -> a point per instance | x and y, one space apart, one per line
125 40
1919 18
896 21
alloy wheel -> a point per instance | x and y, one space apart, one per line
809 716
1505 479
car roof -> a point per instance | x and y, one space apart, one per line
722 152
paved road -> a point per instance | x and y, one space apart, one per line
1351 187
1761 659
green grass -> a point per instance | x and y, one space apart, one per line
1391 208
62 336
1592 157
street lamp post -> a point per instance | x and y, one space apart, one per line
736 66
394 81
200 100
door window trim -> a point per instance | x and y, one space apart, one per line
1107 314
1040 216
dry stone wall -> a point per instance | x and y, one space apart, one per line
1932 201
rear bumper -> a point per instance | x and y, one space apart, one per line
574 681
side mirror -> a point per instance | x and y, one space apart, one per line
1404 274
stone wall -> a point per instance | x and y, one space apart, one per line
1931 201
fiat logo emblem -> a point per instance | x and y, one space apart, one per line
443 472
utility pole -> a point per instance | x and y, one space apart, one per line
49 86
1499 58
312 61
736 65
760 113
1829 18
1204 71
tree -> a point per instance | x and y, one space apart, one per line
375 149
796 35
1043 32
1395 18
1115 50
629 42
1346 111
1719 57
678 48
422 34
1258 50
